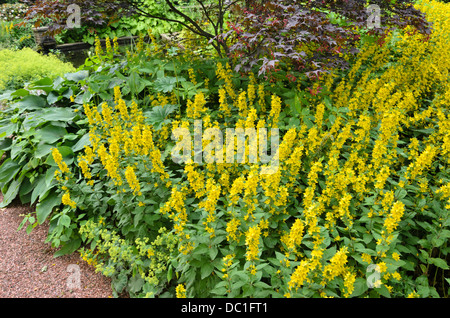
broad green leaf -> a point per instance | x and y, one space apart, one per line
20 93
359 287
45 84
8 170
135 283
30 102
157 116
439 262
64 220
84 141
383 291
58 114
12 192
7 128
135 83
53 98
57 82
206 270
42 150
68 248
45 207
167 83
77 76
40 188
50 133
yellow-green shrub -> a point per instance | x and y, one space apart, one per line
19 67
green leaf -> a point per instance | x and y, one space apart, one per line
68 248
51 133
135 83
7 128
58 114
53 97
437 241
166 84
8 170
78 76
64 220
206 270
383 291
157 116
360 287
84 141
262 285
12 192
135 283
439 262
42 150
169 273
45 207
213 250
20 93
30 102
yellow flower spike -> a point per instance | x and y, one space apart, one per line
115 45
57 157
122 107
180 291
98 47
252 242
117 94
66 200
132 180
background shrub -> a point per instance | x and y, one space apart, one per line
19 67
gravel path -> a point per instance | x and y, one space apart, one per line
29 270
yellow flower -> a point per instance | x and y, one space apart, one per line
381 267
98 47
252 242
233 229
66 200
337 263
180 291
366 258
300 275
394 217
192 76
349 281
275 110
132 180
57 157
413 295
85 169
396 276
295 234
115 45
197 108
